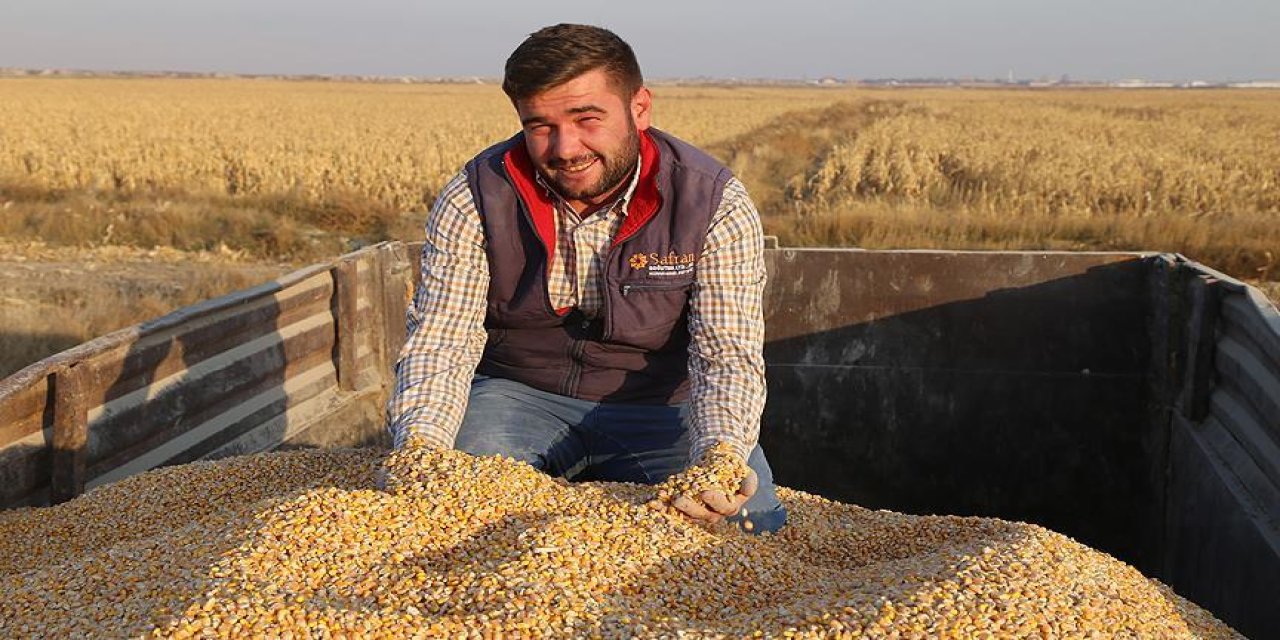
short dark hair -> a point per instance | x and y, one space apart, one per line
557 54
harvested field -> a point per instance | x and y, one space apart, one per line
288 170
484 547
298 172
54 297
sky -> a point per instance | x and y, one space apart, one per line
1159 40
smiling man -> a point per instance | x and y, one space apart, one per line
591 291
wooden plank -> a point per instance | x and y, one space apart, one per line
377 294
396 293
336 414
345 302
318 380
229 402
28 410
153 357
367 317
24 468
17 430
356 420
30 474
319 377
168 406
376 328
70 433
368 373
414 250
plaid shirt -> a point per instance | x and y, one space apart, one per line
446 334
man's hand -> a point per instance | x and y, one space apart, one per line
714 506
401 465
715 487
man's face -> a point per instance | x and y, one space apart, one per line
583 137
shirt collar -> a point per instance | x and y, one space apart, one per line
620 204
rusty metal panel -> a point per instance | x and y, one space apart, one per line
995 383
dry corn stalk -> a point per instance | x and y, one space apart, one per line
299 543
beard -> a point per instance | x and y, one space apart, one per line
616 164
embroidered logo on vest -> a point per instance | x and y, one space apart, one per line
672 264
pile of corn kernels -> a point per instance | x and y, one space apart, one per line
301 544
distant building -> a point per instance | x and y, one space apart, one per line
1141 84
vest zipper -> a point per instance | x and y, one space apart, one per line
614 249
627 289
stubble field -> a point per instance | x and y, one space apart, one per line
270 174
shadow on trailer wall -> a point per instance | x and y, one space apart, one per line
1131 401
1012 385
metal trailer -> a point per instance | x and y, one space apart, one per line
1129 400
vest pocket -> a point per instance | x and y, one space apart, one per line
636 288
650 315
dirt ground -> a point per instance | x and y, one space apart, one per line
53 298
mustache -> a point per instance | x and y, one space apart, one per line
560 163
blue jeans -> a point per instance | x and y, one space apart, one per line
581 440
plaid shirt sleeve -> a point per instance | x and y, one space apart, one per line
446 334
726 326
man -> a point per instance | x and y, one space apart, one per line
591 292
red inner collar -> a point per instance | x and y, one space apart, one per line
542 209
